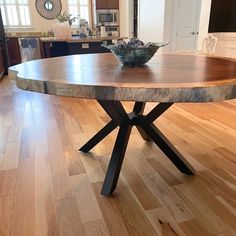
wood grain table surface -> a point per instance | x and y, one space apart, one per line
166 78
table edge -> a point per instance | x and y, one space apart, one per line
207 93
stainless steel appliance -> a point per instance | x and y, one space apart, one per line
107 17
112 31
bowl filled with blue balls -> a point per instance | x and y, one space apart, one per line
134 52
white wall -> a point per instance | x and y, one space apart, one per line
204 21
168 24
151 20
124 7
41 24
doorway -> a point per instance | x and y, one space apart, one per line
185 24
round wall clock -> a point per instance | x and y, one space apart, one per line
48 9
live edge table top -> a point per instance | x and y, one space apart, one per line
166 78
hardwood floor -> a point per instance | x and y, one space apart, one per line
49 188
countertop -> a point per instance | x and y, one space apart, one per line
81 40
25 35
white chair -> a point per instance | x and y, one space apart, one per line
208 47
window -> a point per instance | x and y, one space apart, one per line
15 13
81 8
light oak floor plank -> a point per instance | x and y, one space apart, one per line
68 218
48 187
7 182
97 228
5 214
23 210
45 212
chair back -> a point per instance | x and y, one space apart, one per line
209 45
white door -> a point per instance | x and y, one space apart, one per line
187 24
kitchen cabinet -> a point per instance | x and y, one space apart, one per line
2 67
50 47
107 4
13 51
57 49
87 48
4 60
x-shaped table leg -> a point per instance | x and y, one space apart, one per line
147 130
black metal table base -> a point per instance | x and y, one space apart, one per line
146 128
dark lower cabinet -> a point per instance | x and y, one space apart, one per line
13 51
2 67
45 49
86 48
4 60
57 49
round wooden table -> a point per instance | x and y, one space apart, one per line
166 79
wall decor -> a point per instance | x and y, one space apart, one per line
48 9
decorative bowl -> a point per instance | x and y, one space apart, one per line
135 56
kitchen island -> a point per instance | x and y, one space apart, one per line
51 47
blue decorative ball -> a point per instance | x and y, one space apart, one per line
135 43
121 44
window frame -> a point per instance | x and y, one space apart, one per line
78 5
19 17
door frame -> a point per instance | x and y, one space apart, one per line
131 16
175 26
